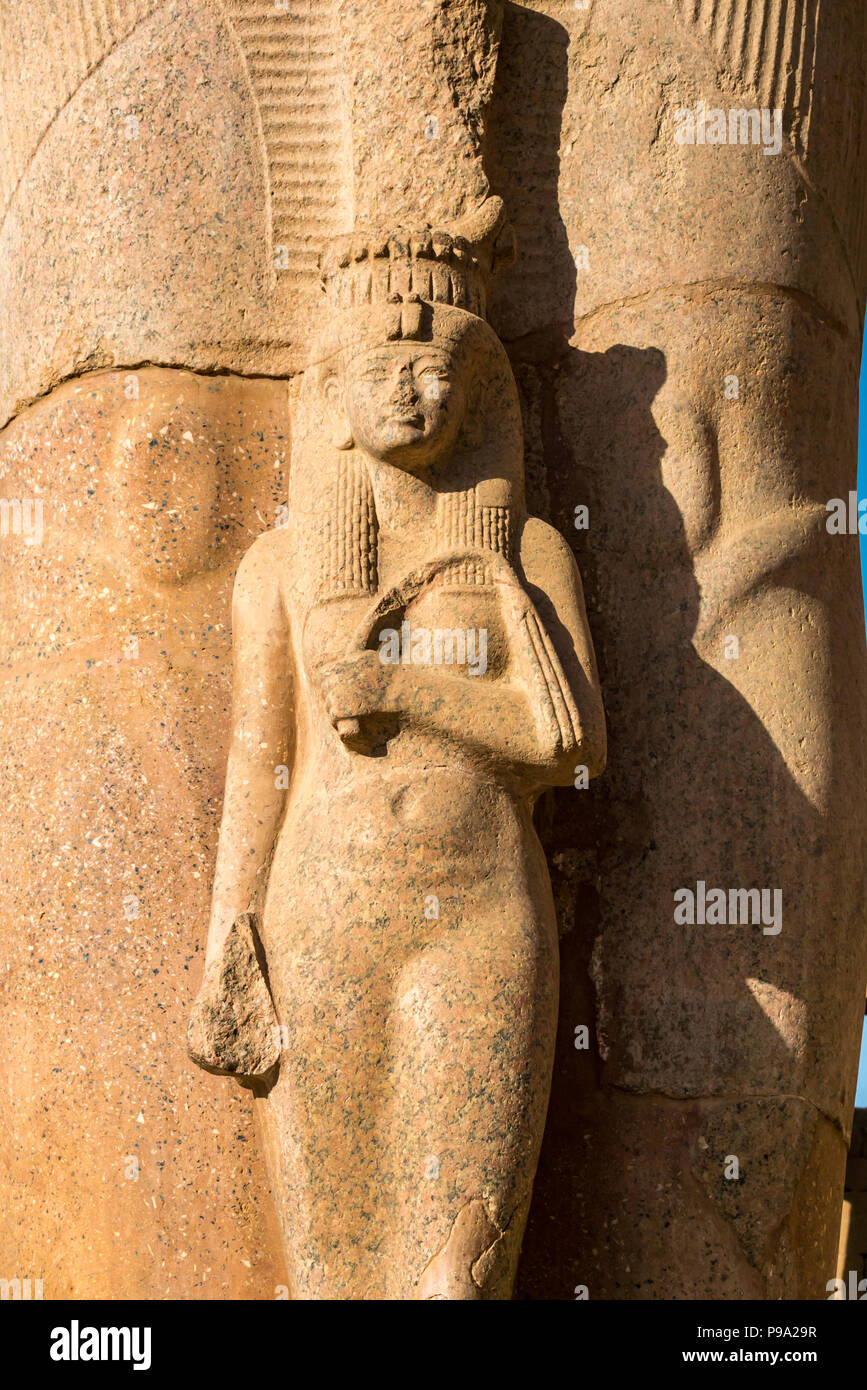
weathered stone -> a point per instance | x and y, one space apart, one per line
852 1257
682 332
234 1029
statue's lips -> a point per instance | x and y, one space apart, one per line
414 421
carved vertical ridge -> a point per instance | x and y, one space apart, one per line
293 64
766 48
462 525
349 553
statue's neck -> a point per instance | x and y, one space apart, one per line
405 505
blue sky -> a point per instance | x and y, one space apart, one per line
861 1098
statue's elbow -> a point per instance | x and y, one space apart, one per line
577 761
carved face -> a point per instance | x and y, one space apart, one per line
405 402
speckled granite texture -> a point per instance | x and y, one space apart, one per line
683 326
127 1172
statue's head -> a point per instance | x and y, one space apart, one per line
401 390
403 313
405 371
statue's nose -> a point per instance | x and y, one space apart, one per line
404 387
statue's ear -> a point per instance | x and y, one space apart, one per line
339 429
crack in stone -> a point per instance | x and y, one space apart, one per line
461 1268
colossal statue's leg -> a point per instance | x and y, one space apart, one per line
705 410
114 704
124 1171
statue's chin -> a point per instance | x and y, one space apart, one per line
404 446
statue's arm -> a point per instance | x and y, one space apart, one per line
261 740
546 719
561 639
543 718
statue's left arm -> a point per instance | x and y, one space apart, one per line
565 695
540 720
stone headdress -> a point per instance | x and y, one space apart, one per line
429 238
405 269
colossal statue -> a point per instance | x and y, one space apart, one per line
683 324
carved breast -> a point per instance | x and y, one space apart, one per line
462 626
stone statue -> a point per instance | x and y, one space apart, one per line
684 322
415 649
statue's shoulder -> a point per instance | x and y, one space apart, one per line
542 545
259 573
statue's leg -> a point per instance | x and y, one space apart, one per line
403 1130
730 635
472 1043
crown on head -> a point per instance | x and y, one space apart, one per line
402 270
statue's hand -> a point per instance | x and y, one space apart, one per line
233 1028
359 685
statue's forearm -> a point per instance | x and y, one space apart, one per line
498 720
252 812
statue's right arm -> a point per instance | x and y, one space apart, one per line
261 740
